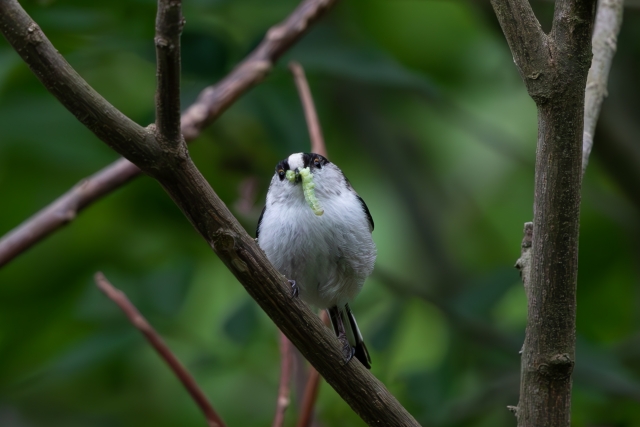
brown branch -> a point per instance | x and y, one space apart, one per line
64 209
605 35
286 368
311 388
179 176
211 103
137 320
313 124
554 69
169 23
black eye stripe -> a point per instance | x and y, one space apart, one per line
284 167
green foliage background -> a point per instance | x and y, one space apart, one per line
423 109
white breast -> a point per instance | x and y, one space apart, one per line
329 256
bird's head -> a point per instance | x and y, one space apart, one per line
301 168
289 168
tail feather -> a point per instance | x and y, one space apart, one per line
361 352
343 319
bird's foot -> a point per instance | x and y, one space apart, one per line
347 350
294 289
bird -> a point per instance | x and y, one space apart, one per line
317 231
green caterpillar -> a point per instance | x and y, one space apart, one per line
308 187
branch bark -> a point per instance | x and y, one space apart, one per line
137 320
192 193
211 103
169 24
554 68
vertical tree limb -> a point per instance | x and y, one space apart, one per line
605 36
137 320
554 69
169 23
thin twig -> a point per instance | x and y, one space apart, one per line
313 124
211 103
286 368
603 42
169 24
137 320
311 389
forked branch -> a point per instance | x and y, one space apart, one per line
211 103
208 214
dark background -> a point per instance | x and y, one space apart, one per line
422 108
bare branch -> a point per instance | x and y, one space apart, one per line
554 69
604 40
179 176
169 23
315 132
311 388
527 41
211 103
137 320
65 208
286 368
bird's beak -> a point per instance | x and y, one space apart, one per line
298 177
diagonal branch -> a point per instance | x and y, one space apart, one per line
605 35
211 103
315 131
527 41
177 173
137 320
254 69
169 23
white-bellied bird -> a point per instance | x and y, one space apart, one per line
316 231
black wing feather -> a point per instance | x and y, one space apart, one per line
366 211
260 221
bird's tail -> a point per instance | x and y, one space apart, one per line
353 335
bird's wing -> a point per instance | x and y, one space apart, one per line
260 221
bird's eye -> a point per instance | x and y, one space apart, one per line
281 172
316 161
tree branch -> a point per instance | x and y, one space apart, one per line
177 173
286 368
257 65
169 23
313 124
137 320
527 41
605 35
554 69
211 103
